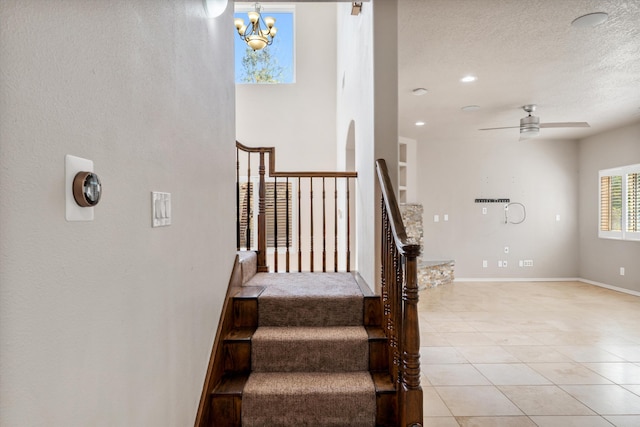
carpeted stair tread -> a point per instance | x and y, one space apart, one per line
309 399
312 349
308 299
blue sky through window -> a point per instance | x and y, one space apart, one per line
281 50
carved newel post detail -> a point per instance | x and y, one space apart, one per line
411 391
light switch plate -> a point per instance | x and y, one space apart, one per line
73 211
160 209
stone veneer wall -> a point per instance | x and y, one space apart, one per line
430 273
412 218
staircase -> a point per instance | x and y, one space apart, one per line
313 349
306 349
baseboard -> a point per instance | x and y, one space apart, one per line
613 288
548 279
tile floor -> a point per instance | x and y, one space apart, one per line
529 354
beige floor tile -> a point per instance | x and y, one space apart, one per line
424 381
433 406
512 338
633 388
588 354
536 353
571 421
568 373
434 339
606 399
572 334
559 338
466 338
453 374
511 374
495 422
619 373
440 422
441 355
487 354
544 400
492 326
434 316
477 401
624 420
630 353
451 326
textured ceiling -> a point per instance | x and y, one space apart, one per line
523 52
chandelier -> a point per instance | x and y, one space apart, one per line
260 32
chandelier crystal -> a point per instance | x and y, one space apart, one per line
259 32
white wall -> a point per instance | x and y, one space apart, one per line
541 174
298 119
111 322
601 259
367 100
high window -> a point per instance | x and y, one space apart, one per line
274 63
620 203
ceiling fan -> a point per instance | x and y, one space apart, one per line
530 126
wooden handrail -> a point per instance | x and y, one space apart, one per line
400 304
295 176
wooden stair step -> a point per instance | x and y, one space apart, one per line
226 400
245 307
378 350
237 350
385 399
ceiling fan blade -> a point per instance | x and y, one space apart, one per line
508 127
565 125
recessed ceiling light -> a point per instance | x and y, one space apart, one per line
468 79
470 108
420 123
419 91
590 20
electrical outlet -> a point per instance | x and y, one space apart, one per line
446 217
500 264
528 263
485 264
622 271
521 263
436 218
484 211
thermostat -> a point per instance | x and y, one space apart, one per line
87 189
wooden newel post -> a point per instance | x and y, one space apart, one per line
262 221
410 393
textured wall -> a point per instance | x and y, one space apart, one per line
111 322
298 119
541 174
601 259
367 101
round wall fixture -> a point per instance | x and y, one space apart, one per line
87 189
214 8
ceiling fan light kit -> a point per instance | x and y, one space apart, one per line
530 125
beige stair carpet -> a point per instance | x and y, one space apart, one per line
309 399
308 299
330 349
309 355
